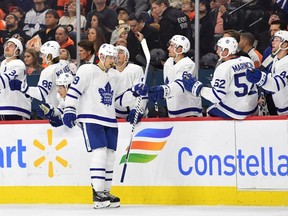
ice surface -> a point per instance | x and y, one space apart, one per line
138 210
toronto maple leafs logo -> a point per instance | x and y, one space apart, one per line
106 94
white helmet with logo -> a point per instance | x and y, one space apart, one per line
282 34
182 41
52 48
107 50
65 79
125 50
229 43
17 43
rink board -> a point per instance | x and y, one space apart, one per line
201 161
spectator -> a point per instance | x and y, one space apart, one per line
223 20
63 6
264 37
151 35
20 14
246 44
276 80
32 63
65 55
121 42
226 95
109 18
12 30
69 18
122 14
206 34
86 52
172 22
96 36
188 8
35 17
65 42
138 6
13 105
179 102
47 33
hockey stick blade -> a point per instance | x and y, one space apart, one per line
147 56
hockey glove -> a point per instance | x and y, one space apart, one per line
131 116
18 85
45 110
158 92
256 76
192 85
139 89
55 121
69 117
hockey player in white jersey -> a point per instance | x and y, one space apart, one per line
130 74
46 88
179 102
93 94
13 105
53 114
231 95
276 80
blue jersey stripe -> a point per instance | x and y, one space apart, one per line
85 116
238 112
15 109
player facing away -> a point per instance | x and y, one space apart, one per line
130 74
53 114
46 88
179 102
13 105
231 95
276 80
93 94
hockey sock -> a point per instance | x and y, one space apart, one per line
109 169
98 168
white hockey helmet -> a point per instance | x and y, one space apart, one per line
50 47
125 50
64 79
229 43
107 50
281 34
17 43
182 41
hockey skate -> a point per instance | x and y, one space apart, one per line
100 200
114 201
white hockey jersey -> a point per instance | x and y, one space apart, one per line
277 83
13 102
46 87
180 103
231 92
130 76
93 94
34 21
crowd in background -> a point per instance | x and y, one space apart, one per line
35 22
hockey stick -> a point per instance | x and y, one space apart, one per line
147 56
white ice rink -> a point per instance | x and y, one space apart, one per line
137 210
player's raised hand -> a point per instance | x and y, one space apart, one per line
191 84
256 76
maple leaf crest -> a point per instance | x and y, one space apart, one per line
106 94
